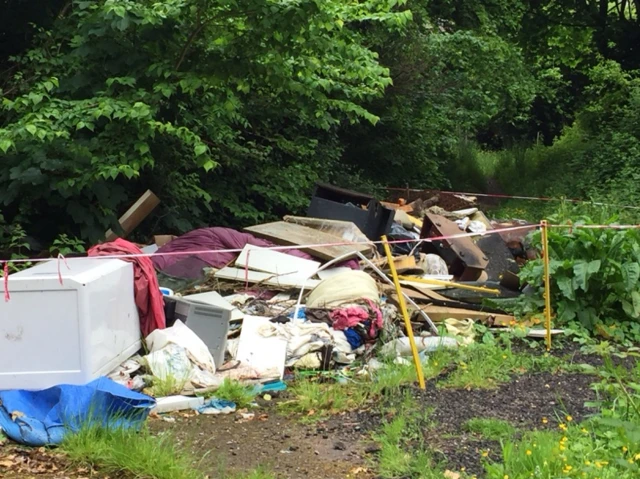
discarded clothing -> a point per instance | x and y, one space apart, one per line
41 418
319 316
355 340
348 317
377 321
461 328
309 361
305 338
205 243
217 406
147 291
301 314
180 334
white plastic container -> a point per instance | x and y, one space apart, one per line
71 333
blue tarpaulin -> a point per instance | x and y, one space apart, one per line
39 418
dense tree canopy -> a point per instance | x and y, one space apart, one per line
230 111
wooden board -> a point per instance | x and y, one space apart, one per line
283 233
440 313
284 281
134 215
275 262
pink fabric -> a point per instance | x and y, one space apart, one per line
146 289
348 317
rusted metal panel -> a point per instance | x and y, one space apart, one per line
460 253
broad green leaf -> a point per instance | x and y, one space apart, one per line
31 129
630 275
200 149
5 144
566 287
582 272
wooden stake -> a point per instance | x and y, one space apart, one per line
405 314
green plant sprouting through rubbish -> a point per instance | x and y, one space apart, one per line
240 394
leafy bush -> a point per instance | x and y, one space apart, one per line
594 278
227 111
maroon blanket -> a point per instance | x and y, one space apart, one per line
212 240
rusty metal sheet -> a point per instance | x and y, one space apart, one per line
464 248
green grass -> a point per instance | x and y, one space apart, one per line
141 454
486 366
317 400
403 452
168 386
389 379
490 428
243 396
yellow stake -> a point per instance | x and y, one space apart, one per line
547 281
405 314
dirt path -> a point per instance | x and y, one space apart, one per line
334 449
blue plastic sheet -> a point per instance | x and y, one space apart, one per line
217 406
39 418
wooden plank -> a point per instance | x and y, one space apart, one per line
134 215
283 233
440 313
285 281
275 262
343 229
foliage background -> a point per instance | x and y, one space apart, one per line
231 111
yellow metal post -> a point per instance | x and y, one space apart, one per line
405 314
547 281
450 284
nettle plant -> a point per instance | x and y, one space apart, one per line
594 278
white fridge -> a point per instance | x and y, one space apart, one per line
69 333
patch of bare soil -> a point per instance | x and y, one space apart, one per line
281 445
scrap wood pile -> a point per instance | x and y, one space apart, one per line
315 293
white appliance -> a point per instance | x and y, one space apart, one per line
69 333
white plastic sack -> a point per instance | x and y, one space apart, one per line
402 347
170 361
477 227
181 335
432 264
463 223
343 288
